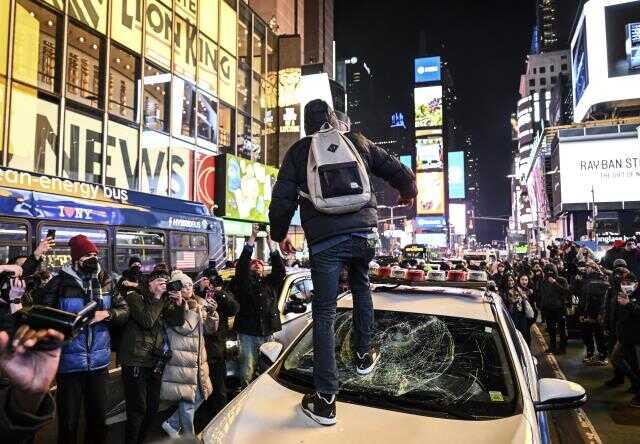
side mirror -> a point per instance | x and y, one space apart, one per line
295 307
558 394
271 350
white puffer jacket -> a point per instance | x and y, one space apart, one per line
188 370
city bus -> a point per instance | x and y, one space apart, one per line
121 223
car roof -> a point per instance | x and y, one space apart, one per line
441 301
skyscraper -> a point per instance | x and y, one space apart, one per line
359 93
553 24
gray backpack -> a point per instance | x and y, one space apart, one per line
336 174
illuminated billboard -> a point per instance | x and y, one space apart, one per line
458 218
407 161
609 167
456 174
429 154
434 240
431 223
428 106
430 193
427 69
605 51
248 189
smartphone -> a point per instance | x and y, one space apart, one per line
51 234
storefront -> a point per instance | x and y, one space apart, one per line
142 100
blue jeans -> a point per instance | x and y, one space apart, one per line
249 352
182 418
326 266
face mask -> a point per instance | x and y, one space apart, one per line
629 288
90 266
135 269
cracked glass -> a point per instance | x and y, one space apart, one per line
432 365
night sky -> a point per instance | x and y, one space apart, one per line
485 43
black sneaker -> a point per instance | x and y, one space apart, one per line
367 362
320 407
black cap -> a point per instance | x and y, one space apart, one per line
619 263
134 259
317 113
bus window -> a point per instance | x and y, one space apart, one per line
189 251
148 246
14 240
61 253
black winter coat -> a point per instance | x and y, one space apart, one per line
258 298
592 293
227 307
316 225
553 297
628 322
18 426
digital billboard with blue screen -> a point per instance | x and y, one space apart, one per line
427 69
456 174
407 161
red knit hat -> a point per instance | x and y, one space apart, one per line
81 246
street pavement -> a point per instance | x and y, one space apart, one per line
606 417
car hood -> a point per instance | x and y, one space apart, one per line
267 412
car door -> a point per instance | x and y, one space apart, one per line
297 294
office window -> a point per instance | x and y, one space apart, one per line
244 87
564 57
243 138
84 62
124 76
92 14
207 121
185 49
208 18
82 149
158 37
181 183
207 65
259 36
564 67
35 37
535 70
257 142
256 91
543 70
552 68
122 156
227 129
554 80
532 92
543 81
127 32
156 98
532 82
244 35
183 108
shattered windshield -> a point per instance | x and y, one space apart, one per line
429 364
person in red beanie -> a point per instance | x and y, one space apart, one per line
83 370
258 318
616 251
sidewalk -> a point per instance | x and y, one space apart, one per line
607 417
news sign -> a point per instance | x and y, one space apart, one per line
456 174
427 69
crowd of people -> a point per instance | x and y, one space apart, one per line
569 289
166 329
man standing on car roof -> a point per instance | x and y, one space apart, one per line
335 240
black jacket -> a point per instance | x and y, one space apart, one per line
592 291
227 307
258 298
316 225
628 321
553 297
143 332
18 426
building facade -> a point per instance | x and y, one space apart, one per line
543 72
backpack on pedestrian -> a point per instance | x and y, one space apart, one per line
337 175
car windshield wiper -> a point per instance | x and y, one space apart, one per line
382 400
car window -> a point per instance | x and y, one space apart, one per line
300 291
437 365
513 332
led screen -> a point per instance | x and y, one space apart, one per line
611 168
429 153
427 69
430 193
435 240
623 38
458 218
456 174
407 161
428 106
248 189
431 223
580 65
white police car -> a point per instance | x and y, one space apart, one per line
453 369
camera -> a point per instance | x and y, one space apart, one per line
174 286
162 357
40 317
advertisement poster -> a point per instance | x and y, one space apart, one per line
428 106
458 218
580 65
431 223
407 161
427 69
434 240
248 189
623 38
429 154
611 168
430 193
205 178
456 175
